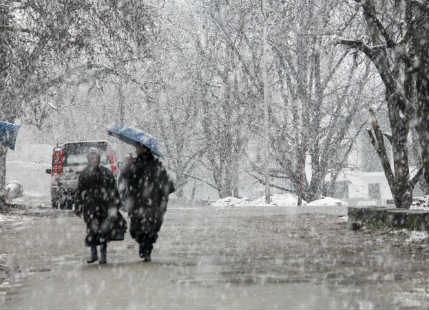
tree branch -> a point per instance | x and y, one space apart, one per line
17 29
378 142
359 45
201 180
370 15
262 181
416 178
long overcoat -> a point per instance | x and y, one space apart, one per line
146 186
97 199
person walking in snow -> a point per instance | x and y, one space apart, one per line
147 187
97 199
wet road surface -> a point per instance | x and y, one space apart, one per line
208 258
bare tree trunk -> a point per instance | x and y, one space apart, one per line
400 129
180 181
235 177
404 72
423 121
420 29
266 107
194 191
399 180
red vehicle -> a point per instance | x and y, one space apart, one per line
68 160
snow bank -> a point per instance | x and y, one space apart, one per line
229 202
412 236
327 201
277 200
3 218
31 175
420 203
366 203
8 218
419 208
417 236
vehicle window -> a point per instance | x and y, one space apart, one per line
80 159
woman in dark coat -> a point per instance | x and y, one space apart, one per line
97 198
147 187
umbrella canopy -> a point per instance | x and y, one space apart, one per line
8 134
135 137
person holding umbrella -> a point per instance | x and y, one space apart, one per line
147 187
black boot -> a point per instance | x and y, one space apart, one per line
141 250
144 252
94 256
147 258
103 253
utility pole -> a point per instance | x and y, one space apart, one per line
266 105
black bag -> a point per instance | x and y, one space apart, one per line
115 228
119 228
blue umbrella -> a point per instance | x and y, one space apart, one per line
135 137
8 134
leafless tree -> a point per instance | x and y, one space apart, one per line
392 40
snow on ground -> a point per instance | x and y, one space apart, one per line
277 200
420 203
343 218
366 203
417 236
229 202
14 220
419 208
27 165
328 201
5 218
32 176
280 200
412 236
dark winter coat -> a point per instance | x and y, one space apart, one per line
147 187
97 199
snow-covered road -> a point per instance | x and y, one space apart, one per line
216 258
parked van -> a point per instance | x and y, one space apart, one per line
68 160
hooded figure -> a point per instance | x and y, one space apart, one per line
97 198
146 187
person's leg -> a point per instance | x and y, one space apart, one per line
145 251
103 253
94 256
90 241
146 246
137 233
